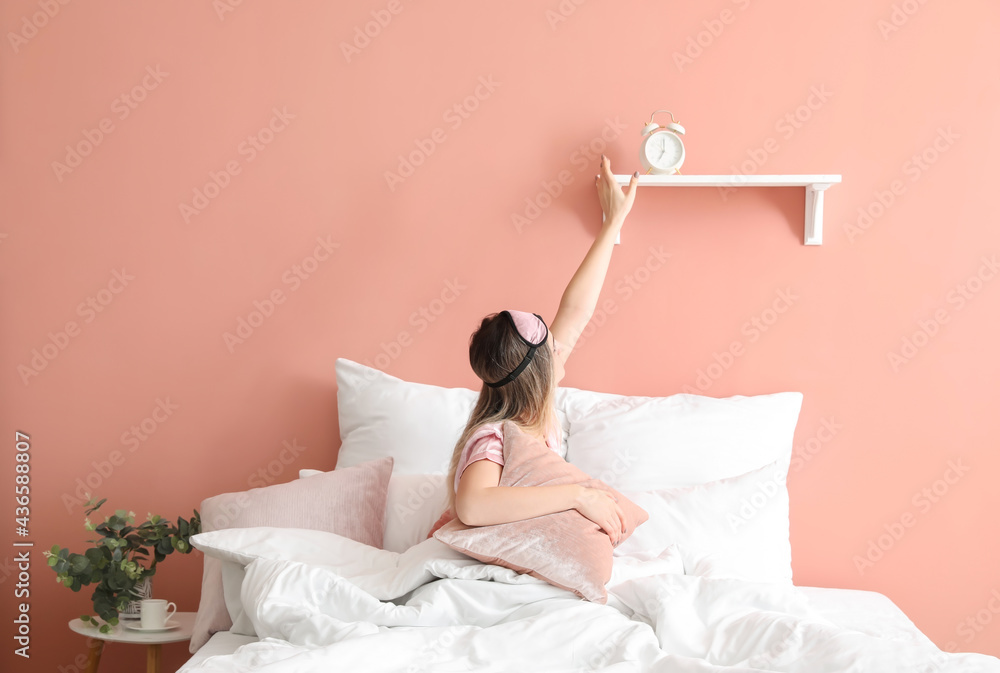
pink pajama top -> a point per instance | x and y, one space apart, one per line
486 443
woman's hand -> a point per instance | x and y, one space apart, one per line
602 508
615 203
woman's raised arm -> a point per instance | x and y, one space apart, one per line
580 297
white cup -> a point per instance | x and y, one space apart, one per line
156 612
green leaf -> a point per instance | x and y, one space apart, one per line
102 604
105 628
79 564
52 560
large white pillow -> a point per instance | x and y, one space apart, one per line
729 528
414 502
646 443
235 548
381 415
415 423
383 574
318 547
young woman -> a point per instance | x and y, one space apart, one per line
520 362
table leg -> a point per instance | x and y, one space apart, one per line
153 654
94 654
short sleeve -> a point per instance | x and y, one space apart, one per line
485 444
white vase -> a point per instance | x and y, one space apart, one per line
142 590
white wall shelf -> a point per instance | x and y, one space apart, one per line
815 185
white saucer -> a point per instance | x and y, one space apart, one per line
170 626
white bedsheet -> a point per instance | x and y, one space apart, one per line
481 617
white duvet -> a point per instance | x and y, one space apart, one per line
433 609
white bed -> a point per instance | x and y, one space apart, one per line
820 629
704 585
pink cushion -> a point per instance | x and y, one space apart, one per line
565 549
442 520
348 501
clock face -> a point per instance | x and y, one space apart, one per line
664 151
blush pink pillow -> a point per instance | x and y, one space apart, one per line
349 501
442 520
565 549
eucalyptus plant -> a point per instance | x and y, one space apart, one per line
122 556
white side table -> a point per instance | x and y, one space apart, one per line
119 634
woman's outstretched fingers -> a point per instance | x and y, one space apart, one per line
616 201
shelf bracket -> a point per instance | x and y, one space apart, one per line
814 213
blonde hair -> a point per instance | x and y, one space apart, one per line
529 400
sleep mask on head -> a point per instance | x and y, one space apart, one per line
533 331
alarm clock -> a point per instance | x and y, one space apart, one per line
662 151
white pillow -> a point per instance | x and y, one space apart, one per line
235 548
240 546
383 574
648 443
733 528
413 503
417 424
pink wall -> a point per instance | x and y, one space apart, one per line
863 89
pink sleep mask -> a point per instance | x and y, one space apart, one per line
533 331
